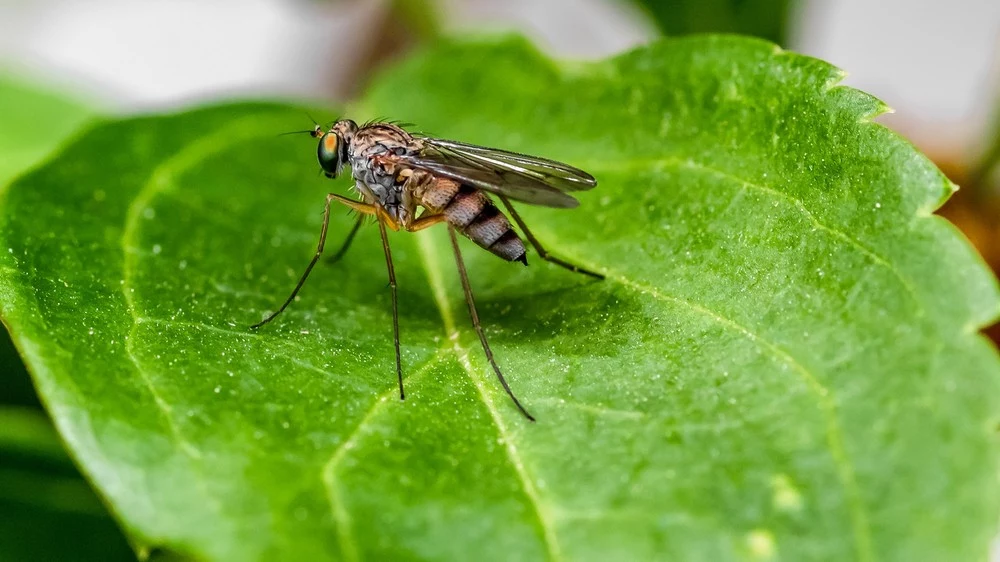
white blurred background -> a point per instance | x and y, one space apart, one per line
935 62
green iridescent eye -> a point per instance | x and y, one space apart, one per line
329 154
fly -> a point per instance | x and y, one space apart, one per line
413 181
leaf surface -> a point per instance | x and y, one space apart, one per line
48 510
782 364
33 121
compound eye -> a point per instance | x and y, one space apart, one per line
329 153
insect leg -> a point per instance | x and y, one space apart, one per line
475 322
542 252
347 242
425 221
330 198
356 205
395 307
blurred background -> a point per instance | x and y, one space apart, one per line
936 63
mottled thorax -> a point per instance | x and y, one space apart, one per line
373 150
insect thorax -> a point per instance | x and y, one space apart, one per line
368 145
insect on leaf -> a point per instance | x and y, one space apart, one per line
782 363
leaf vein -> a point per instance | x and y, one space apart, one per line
159 179
835 440
593 409
542 511
342 518
857 245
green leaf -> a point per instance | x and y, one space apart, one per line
48 511
782 364
33 121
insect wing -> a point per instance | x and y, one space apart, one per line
521 177
562 177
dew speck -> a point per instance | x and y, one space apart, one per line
157 249
90 331
218 389
149 213
182 265
878 205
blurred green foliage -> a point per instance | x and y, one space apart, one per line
767 19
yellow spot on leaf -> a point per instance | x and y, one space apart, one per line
786 496
761 544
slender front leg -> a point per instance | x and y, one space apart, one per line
542 252
475 322
330 198
361 207
395 307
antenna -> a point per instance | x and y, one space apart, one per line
307 131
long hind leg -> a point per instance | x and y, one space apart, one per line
470 301
542 252
395 304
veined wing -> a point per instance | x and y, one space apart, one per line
519 176
557 174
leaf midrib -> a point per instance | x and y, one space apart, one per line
433 269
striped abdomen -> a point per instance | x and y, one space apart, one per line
473 214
